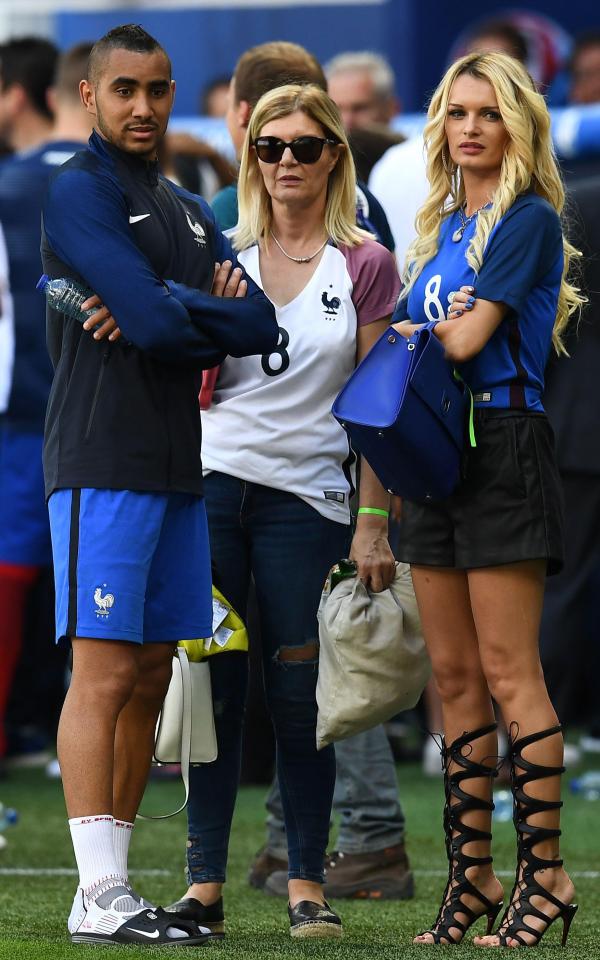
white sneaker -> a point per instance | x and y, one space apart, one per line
78 911
107 925
80 906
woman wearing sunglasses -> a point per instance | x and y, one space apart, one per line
278 477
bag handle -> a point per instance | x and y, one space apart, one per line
430 325
186 735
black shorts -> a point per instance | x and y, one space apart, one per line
507 508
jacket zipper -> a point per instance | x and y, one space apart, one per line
96 395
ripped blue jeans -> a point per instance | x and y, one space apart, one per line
288 547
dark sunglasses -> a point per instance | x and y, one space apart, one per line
304 149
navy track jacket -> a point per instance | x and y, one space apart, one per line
125 415
24 181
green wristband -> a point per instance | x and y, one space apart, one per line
375 510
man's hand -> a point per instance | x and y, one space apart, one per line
108 324
228 282
373 556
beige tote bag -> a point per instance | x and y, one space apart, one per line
372 658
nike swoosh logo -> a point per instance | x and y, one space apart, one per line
141 216
144 933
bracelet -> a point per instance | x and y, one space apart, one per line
375 510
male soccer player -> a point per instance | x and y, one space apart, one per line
122 459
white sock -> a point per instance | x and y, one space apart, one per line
94 848
122 832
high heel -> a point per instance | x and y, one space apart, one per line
492 915
457 835
567 918
526 886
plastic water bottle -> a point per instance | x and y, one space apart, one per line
503 806
587 785
8 818
66 296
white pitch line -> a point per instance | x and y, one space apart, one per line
69 872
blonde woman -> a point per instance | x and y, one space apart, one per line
479 558
279 478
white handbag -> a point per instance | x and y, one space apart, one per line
185 731
372 657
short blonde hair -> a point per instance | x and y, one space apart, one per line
528 164
255 210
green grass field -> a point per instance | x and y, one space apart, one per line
34 904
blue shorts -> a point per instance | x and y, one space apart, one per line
24 528
131 566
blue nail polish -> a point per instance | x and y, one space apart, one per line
468 306
471 300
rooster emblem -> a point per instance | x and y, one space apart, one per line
331 306
199 234
103 604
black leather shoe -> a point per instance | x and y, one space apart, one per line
211 916
309 919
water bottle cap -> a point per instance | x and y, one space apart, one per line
41 284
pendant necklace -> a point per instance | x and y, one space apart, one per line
464 223
298 259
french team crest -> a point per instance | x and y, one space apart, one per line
197 230
103 603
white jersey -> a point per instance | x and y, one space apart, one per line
270 421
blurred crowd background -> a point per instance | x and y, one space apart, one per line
381 59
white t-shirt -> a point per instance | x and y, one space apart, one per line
399 181
270 421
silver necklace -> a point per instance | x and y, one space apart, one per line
464 222
298 259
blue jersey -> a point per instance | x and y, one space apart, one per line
23 183
522 268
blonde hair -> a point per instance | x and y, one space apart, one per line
528 164
255 209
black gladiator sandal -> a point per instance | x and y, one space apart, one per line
526 886
457 835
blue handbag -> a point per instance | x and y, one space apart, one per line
406 411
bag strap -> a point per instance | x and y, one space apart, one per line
472 441
430 325
186 735
424 326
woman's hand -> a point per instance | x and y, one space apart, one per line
108 324
373 556
463 299
228 282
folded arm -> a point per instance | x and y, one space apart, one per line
85 221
